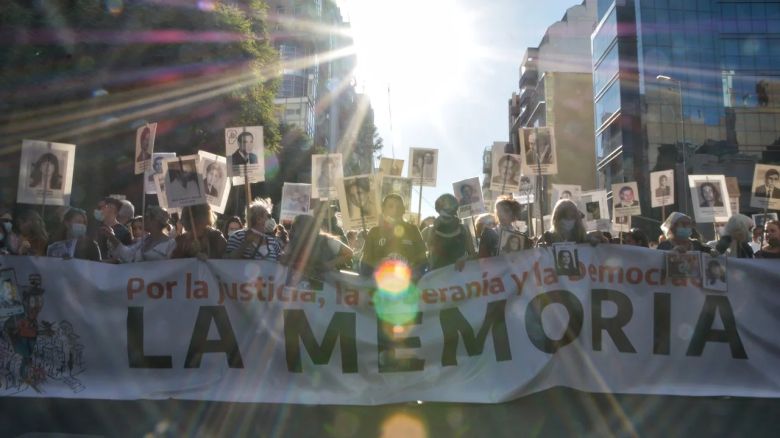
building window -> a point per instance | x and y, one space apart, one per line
604 36
608 140
606 70
607 104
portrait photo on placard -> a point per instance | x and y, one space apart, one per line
593 204
244 150
662 188
296 200
423 165
537 146
468 192
621 224
45 173
761 218
396 185
569 192
715 272
683 265
183 184
625 200
358 200
216 184
144 147
567 261
512 241
390 166
155 169
709 197
505 173
327 171
766 187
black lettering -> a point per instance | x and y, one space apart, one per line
135 343
454 324
704 332
226 343
613 326
533 319
342 327
388 343
662 323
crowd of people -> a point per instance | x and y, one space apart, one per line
316 244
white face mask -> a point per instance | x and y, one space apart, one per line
270 224
568 224
78 230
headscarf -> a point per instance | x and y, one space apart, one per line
672 220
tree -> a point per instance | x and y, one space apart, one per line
78 72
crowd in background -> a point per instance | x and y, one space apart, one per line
316 244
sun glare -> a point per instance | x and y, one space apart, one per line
420 49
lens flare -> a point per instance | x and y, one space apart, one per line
397 299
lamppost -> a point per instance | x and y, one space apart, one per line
684 192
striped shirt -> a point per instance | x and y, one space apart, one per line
268 249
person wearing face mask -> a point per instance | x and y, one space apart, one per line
106 214
771 249
393 239
155 245
678 229
449 242
200 238
254 241
567 226
507 212
74 232
736 237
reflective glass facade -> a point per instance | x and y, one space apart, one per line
723 58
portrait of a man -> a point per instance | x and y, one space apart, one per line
663 189
709 195
769 189
627 199
212 183
144 140
244 155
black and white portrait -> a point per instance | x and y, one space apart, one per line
144 147
359 195
567 260
397 185
765 192
626 199
537 147
156 168
715 273
512 241
216 186
183 184
469 195
662 188
45 173
326 173
423 164
505 172
296 200
709 197
245 150
569 192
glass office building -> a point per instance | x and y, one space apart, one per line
718 61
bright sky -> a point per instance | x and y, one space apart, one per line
451 67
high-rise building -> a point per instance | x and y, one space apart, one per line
554 91
298 48
687 85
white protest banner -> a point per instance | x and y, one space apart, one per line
502 328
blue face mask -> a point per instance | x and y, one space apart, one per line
683 233
98 215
